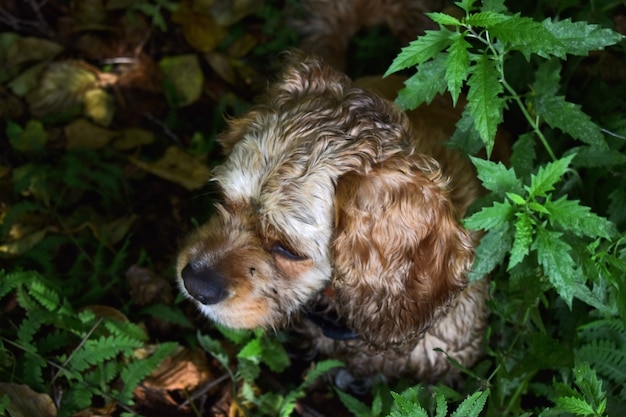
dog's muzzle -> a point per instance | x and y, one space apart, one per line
204 284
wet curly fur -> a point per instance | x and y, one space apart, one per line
333 199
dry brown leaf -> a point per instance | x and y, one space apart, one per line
146 287
184 369
24 402
81 133
179 167
222 65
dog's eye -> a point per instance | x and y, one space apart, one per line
284 252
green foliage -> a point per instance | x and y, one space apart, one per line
257 349
82 352
552 242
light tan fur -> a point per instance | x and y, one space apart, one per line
333 198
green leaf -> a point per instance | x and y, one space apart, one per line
472 405
444 19
421 50
590 385
496 177
407 407
569 118
523 155
490 217
527 36
516 199
252 350
274 354
354 406
579 38
574 405
457 65
484 100
547 176
424 85
548 78
553 254
466 5
578 219
597 157
522 240
486 19
491 250
442 405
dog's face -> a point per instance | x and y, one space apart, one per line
301 208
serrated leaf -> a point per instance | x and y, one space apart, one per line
466 5
578 38
442 405
491 250
569 118
574 405
523 155
553 254
547 176
424 85
516 199
252 350
472 405
407 408
484 100
490 217
528 37
274 354
578 219
589 383
466 137
356 407
496 177
596 157
547 77
497 6
421 50
486 19
522 239
444 19
457 66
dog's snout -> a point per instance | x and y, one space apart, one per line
204 284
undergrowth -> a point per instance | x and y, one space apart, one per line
553 222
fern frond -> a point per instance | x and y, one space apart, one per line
137 370
94 352
608 359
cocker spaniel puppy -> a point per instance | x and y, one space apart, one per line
339 215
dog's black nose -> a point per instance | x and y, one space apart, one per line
204 284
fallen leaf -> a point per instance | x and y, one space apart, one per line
62 85
24 402
222 65
31 49
99 106
146 287
133 138
81 133
228 12
179 167
183 79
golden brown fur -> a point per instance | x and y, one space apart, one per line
332 198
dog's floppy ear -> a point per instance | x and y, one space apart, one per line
400 253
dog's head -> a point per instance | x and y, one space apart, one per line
322 188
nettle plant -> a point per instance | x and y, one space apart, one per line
557 339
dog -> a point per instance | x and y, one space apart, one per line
338 215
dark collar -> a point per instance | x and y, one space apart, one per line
329 322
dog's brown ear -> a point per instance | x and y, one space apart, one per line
400 253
